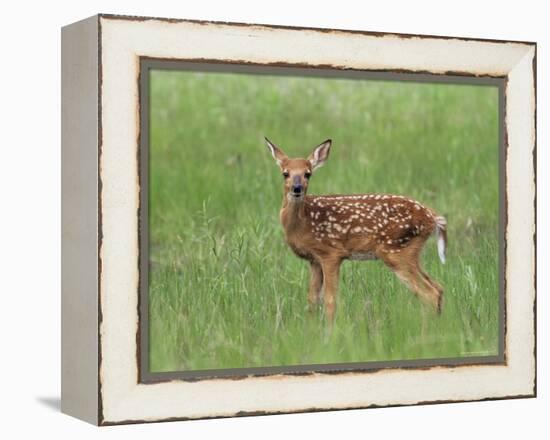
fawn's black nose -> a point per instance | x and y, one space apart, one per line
296 189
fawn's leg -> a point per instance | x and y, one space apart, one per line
315 285
436 290
405 264
434 284
331 271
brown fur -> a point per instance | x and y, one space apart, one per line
326 230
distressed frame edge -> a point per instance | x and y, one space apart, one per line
531 53
535 195
104 422
128 17
315 410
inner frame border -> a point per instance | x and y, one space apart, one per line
146 64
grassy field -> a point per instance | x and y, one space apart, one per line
226 292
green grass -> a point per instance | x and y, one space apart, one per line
226 292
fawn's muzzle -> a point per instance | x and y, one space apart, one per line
297 186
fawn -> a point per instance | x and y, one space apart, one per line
328 229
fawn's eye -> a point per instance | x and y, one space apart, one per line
286 174
307 175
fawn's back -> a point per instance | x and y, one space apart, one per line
359 226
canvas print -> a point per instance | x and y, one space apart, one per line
309 220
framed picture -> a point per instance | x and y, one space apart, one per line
265 219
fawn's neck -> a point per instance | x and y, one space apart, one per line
292 214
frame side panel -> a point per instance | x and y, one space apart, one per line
79 217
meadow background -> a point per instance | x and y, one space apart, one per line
226 292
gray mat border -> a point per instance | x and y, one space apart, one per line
282 69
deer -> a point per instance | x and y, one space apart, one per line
326 230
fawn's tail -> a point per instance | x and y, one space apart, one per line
441 232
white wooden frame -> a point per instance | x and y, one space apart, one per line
101 200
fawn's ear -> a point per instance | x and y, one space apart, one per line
277 154
320 154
